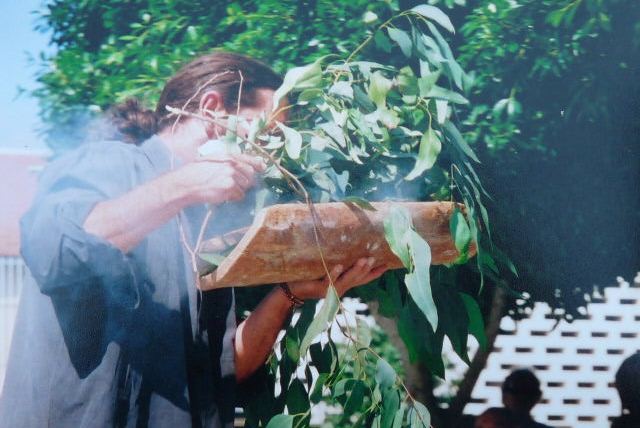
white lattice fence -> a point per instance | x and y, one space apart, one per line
12 274
575 362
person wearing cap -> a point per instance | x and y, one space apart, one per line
520 393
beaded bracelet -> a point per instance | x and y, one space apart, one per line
295 302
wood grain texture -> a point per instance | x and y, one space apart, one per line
280 245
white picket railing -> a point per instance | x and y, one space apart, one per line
12 274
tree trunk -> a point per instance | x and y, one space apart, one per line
480 358
418 379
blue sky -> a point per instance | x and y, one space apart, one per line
19 116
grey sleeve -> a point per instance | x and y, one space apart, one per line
61 255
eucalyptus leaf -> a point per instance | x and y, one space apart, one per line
318 143
305 77
293 351
316 393
435 14
442 43
399 416
281 421
385 374
418 281
292 142
454 320
426 82
363 333
342 88
342 386
213 258
319 324
460 231
390 406
402 39
459 141
382 41
297 398
379 86
309 95
442 111
360 202
356 397
476 324
407 82
446 94
419 416
430 147
396 226
335 132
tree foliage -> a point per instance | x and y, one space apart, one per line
555 108
553 116
363 130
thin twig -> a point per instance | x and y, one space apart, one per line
196 93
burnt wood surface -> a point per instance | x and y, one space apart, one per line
280 245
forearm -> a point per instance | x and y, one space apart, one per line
126 220
256 335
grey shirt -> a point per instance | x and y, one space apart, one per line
104 338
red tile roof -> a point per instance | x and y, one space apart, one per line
18 183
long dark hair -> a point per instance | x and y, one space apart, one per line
222 71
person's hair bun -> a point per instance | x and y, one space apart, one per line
133 121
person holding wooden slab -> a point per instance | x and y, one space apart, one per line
112 331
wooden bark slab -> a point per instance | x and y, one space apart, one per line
280 245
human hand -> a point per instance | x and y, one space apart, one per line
218 179
362 272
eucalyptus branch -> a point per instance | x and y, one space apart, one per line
297 185
354 340
378 356
368 39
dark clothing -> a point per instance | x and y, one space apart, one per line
528 422
104 338
626 421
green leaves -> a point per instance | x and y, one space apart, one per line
379 86
343 89
415 254
385 374
359 129
281 421
292 142
460 231
319 324
418 281
476 324
212 258
396 226
435 14
419 416
402 39
305 77
446 94
430 147
459 142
